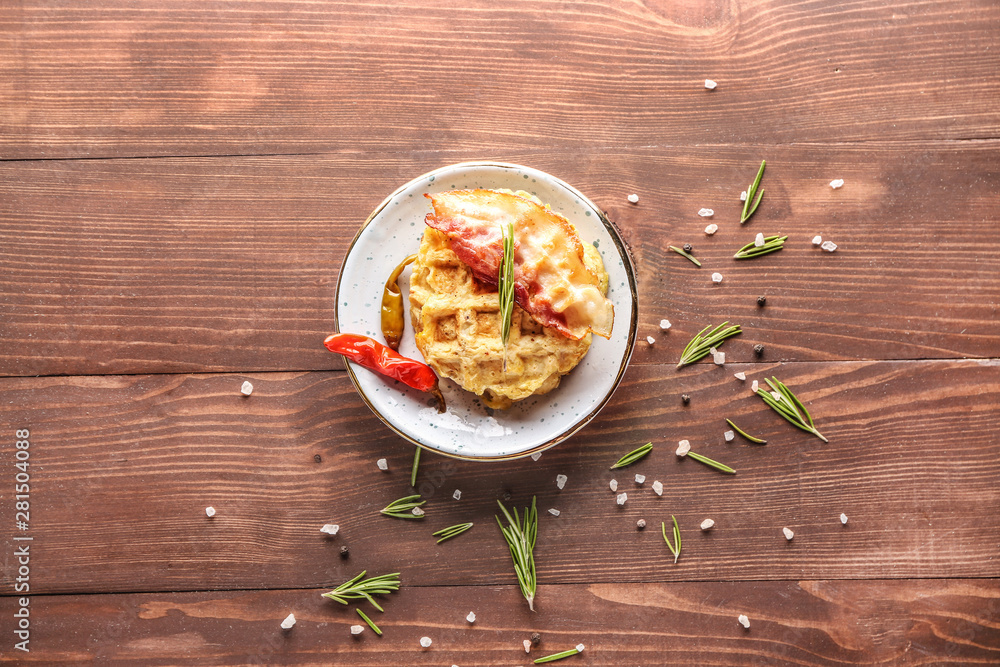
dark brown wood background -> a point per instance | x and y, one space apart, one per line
179 182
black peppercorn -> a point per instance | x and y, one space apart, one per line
761 301
685 399
506 495
535 638
344 551
688 247
640 524
318 458
758 349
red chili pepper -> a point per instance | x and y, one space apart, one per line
375 356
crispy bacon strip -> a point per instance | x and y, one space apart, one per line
552 283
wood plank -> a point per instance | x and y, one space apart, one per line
122 468
802 623
231 264
148 78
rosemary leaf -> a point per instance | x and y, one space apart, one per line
789 407
369 621
416 464
402 507
771 244
701 344
451 531
749 209
520 536
505 285
713 464
360 588
749 437
557 656
681 252
675 548
633 456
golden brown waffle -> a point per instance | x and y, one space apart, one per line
456 322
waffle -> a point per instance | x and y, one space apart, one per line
457 326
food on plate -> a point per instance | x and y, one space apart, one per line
560 293
392 306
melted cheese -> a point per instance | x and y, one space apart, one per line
552 283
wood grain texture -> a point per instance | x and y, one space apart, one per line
230 264
122 468
115 78
926 622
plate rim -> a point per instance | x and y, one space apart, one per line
623 251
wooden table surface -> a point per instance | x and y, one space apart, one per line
179 185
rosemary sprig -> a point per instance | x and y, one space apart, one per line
711 463
505 285
370 622
360 588
520 535
702 343
416 464
451 531
633 456
771 244
789 407
751 191
680 251
675 548
557 656
403 507
746 435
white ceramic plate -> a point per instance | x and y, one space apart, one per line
468 429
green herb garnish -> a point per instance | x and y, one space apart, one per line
711 463
633 456
771 244
675 548
505 285
751 191
416 464
746 435
359 588
452 531
403 507
681 252
520 535
371 624
789 407
701 344
557 656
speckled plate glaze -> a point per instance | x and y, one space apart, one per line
469 430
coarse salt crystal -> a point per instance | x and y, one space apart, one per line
288 622
613 484
829 246
357 629
622 497
210 511
382 464
650 340
706 212
743 196
580 647
719 358
457 495
664 325
712 350
246 389
683 447
817 240
758 240
711 229
843 519
471 618
425 642
837 183
744 621
561 481
553 511
633 198
729 435
707 523
716 277
658 487
710 84
536 456
776 396
417 511
788 533
740 376
527 645
754 386
330 529
640 479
